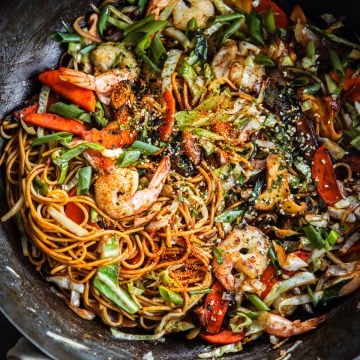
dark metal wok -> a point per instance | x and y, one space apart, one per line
26 299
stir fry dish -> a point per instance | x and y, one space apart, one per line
193 166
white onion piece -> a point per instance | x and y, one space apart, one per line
297 300
350 242
67 223
64 282
14 210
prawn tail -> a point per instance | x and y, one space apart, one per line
308 325
161 173
77 78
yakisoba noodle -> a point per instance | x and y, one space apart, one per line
170 180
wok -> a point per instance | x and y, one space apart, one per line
25 297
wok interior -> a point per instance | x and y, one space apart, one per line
27 299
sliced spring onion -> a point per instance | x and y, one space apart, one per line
336 63
149 62
207 134
332 237
228 216
104 14
139 24
274 259
99 115
201 291
254 25
63 137
157 49
218 255
94 216
269 21
117 23
312 88
229 31
65 37
87 49
257 302
120 15
67 110
313 298
225 18
84 180
134 337
262 59
128 158
40 186
144 147
356 143
170 295
142 5
314 236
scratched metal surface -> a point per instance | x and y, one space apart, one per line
26 299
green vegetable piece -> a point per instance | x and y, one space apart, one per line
218 255
312 88
144 147
310 49
274 259
314 300
254 26
142 5
64 37
314 236
229 31
87 49
84 181
69 111
170 295
356 142
225 18
201 291
94 216
336 63
104 14
257 302
332 237
107 283
269 20
239 322
99 115
229 216
149 62
40 186
201 45
128 158
157 49
62 137
262 59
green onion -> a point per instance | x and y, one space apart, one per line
142 5
66 110
128 158
104 14
312 88
99 115
314 237
94 216
87 49
229 31
191 26
314 299
201 291
228 216
336 63
84 181
356 142
117 23
157 49
263 60
256 191
65 37
218 255
274 259
306 105
139 24
269 20
225 18
300 81
332 292
332 86
332 237
40 186
144 147
170 295
257 302
149 62
254 25
63 137
207 134
287 61
310 49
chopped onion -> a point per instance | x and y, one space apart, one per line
338 214
345 203
75 298
350 242
318 220
66 222
64 282
14 210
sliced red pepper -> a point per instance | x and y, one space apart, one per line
31 109
224 337
165 129
281 19
73 212
83 97
323 174
55 122
353 94
303 254
212 313
350 81
269 278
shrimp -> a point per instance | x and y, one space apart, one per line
200 10
102 84
116 192
246 251
281 327
229 63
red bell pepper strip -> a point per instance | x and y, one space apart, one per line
21 114
224 337
323 174
83 97
281 19
212 313
109 138
350 81
166 127
303 254
73 212
353 94
269 278
55 122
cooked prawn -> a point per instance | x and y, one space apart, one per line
246 251
102 84
116 192
281 327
